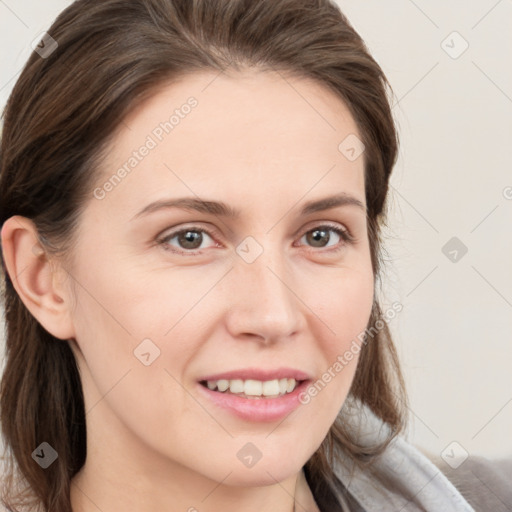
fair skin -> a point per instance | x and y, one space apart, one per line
155 440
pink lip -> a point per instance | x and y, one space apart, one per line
255 410
259 374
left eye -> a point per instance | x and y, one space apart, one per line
316 235
190 239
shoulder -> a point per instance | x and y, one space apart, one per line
484 483
401 478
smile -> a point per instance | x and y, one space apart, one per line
251 388
255 395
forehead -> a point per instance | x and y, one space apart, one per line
254 92
239 135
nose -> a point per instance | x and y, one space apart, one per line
264 301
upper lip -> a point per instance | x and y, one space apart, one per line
259 374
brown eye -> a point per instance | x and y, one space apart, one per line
187 240
320 237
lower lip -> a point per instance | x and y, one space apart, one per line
259 409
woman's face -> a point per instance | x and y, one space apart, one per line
168 297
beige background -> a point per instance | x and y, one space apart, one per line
453 179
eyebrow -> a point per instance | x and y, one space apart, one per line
224 210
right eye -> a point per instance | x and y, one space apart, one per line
189 239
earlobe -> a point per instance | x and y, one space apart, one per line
37 280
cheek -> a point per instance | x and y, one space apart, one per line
131 372
345 310
127 320
344 306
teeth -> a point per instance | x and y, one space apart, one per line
235 386
254 388
271 387
222 384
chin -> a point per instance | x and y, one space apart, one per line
259 476
278 466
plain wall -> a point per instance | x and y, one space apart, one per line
453 179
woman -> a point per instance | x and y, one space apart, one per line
191 201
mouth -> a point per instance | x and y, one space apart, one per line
256 395
253 389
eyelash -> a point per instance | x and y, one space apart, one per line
345 235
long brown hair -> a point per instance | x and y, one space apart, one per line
61 115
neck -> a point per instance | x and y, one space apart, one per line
90 494
136 480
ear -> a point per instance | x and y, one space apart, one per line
36 278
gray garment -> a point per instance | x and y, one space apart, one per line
485 483
403 478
